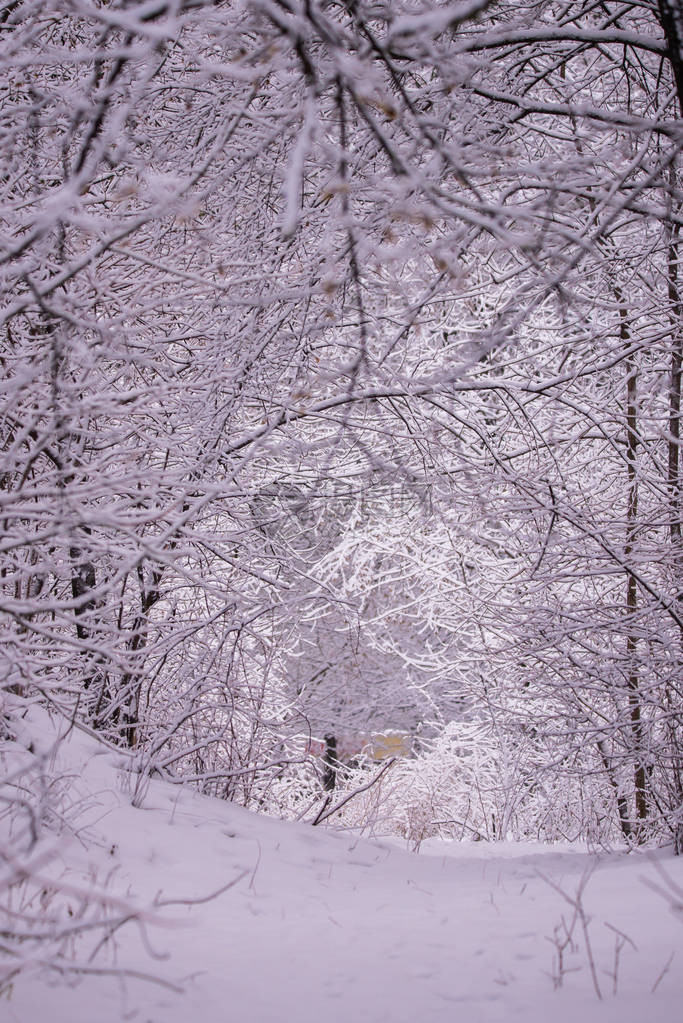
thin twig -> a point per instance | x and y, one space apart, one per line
203 899
663 973
356 792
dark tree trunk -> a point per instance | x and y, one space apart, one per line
671 20
330 763
634 695
95 682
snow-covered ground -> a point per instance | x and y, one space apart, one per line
321 925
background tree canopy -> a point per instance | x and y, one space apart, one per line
341 391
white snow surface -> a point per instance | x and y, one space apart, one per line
324 925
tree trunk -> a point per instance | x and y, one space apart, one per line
671 20
674 484
634 698
330 763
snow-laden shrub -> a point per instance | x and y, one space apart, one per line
53 918
220 719
471 783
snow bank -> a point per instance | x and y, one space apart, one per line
317 924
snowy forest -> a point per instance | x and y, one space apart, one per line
341 346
